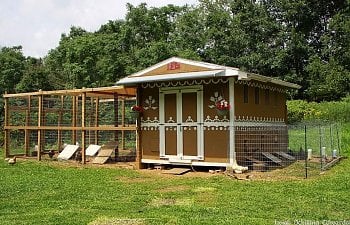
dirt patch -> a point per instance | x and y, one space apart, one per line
293 172
159 173
76 164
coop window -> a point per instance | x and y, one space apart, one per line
267 96
256 95
245 93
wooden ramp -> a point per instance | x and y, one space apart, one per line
68 152
286 156
273 158
256 164
105 153
254 160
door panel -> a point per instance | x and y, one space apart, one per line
171 140
170 108
181 134
189 126
171 129
189 107
190 145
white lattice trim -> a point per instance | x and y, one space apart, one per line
216 119
262 86
183 83
150 128
258 119
148 120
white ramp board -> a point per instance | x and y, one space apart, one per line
92 150
68 152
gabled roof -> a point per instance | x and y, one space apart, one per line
175 68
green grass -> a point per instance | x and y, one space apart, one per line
59 193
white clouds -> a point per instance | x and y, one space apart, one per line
37 25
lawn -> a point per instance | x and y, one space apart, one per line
50 192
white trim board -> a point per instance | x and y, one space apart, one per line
193 163
170 77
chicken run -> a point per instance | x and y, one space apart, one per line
42 124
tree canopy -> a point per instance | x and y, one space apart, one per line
301 41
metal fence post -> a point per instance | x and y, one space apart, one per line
321 155
338 140
306 158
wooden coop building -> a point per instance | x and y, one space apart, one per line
44 122
186 113
201 114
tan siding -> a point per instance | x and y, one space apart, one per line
150 138
275 108
150 144
209 91
216 146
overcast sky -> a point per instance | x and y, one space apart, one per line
37 25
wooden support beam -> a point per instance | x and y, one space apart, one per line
43 123
59 132
138 135
40 108
96 119
122 144
74 118
83 106
7 132
91 118
116 134
26 131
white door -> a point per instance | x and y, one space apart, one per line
181 123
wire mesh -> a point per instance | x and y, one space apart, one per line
262 148
319 145
61 124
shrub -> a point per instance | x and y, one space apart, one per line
302 111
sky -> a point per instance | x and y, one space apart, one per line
37 25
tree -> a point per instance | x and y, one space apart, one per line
34 78
12 65
11 71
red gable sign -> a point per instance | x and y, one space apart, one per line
173 66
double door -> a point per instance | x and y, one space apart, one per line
181 123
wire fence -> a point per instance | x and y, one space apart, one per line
316 146
306 149
61 116
301 150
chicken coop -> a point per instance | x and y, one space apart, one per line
203 114
185 112
43 122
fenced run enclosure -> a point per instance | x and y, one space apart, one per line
317 146
262 146
44 121
301 150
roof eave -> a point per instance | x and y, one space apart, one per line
172 77
261 78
